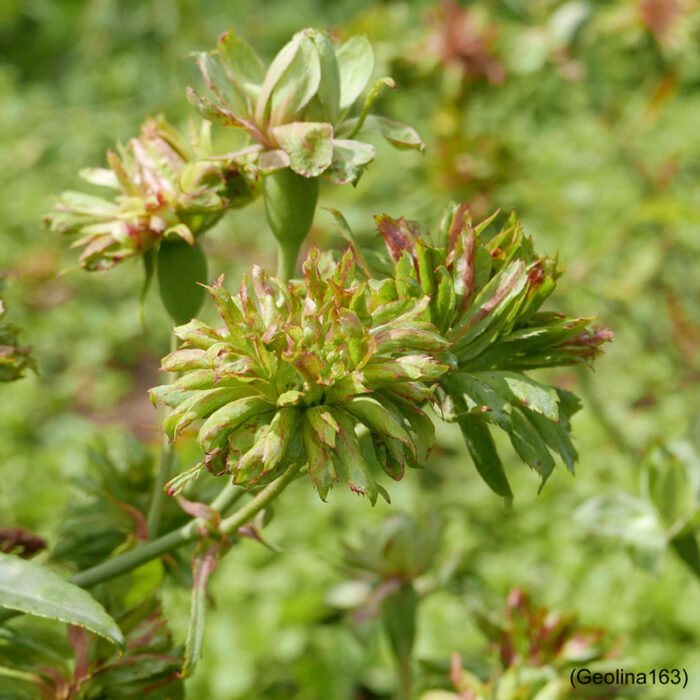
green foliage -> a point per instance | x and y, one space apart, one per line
296 111
485 296
295 368
14 358
664 516
30 588
167 190
580 116
535 650
182 270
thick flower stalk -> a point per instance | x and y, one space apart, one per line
14 358
486 292
167 189
297 368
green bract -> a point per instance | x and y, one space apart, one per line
167 190
297 111
14 358
297 368
485 294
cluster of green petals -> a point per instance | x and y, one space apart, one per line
297 111
326 371
15 359
486 288
168 188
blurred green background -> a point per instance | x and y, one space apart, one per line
580 115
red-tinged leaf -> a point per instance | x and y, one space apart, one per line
398 234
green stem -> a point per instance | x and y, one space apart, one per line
134 558
405 683
167 457
286 261
189 532
256 504
155 511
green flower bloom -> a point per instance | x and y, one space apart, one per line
167 190
486 292
297 368
14 358
297 111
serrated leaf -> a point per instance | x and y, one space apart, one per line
522 390
351 460
479 395
529 445
36 590
324 424
557 438
483 451
320 460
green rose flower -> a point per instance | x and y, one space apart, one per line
486 291
165 192
297 368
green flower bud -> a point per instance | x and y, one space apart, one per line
297 111
165 191
298 373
